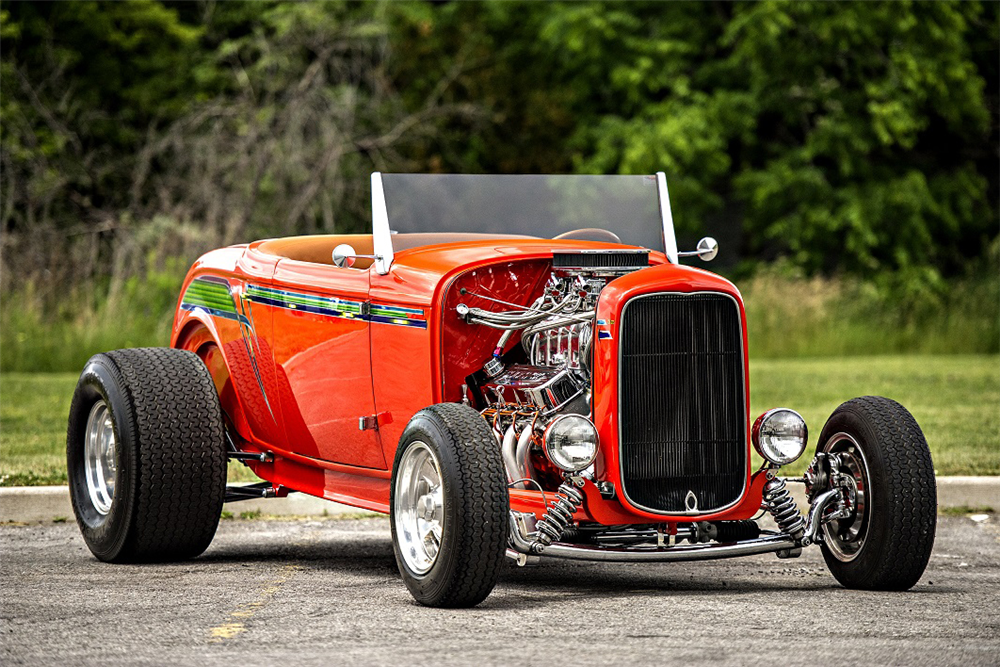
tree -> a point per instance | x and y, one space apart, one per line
858 137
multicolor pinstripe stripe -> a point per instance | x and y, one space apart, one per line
307 303
407 317
214 296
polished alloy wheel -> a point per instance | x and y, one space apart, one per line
419 507
846 537
100 457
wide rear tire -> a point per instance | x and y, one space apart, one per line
886 542
146 455
448 507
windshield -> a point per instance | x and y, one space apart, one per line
541 206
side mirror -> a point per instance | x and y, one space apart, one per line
708 248
344 255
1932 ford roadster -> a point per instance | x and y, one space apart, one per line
554 385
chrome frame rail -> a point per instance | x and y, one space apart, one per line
522 544
524 548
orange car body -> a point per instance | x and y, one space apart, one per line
322 366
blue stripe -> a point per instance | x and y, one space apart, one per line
316 310
214 279
399 321
214 312
414 311
278 301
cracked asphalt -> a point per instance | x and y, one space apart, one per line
326 592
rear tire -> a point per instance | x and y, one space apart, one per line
886 542
449 507
154 489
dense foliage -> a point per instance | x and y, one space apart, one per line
859 137
852 139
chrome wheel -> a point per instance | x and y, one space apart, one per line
419 507
846 537
99 457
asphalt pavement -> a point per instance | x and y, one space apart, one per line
326 592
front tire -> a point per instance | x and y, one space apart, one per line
448 507
146 455
886 541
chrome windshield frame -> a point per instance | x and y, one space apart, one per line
381 234
669 238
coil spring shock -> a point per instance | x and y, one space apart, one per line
783 509
560 514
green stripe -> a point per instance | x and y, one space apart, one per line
308 300
389 311
212 294
209 284
196 301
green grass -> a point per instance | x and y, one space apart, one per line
956 399
842 317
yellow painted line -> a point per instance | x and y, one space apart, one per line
235 623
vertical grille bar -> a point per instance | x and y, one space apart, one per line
682 402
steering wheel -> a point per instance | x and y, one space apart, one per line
590 234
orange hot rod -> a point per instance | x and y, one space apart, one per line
512 367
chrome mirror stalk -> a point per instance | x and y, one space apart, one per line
708 249
344 256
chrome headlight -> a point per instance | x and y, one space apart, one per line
780 435
571 442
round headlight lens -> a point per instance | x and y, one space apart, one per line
780 435
571 442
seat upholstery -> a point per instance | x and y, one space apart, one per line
319 249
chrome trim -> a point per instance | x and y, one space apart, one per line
522 544
707 250
759 424
546 442
344 256
381 234
815 518
600 251
418 508
100 457
543 396
669 238
508 450
743 371
862 499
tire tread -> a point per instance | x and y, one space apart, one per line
910 510
181 463
480 491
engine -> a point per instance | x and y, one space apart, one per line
532 395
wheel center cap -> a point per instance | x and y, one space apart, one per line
425 506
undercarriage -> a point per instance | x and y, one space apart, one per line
704 540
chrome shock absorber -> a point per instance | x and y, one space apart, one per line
560 514
782 507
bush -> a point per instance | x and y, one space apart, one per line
792 316
35 336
